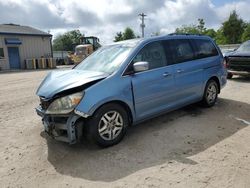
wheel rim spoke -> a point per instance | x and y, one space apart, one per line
114 116
104 120
106 117
103 128
104 132
116 129
110 134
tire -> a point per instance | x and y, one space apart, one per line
210 94
108 125
229 75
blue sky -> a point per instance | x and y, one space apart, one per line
104 18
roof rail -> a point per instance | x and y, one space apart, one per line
11 24
184 34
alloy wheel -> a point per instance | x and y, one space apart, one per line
211 93
110 125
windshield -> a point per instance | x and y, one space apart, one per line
107 59
245 47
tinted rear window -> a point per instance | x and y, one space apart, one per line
205 48
178 50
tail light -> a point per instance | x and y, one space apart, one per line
225 63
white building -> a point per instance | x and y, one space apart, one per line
18 43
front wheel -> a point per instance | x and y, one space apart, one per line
210 93
108 125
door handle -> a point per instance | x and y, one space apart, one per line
180 70
166 74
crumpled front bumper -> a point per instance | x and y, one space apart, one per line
60 127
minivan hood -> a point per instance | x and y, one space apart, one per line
58 81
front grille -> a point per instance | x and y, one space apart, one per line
239 63
240 58
44 103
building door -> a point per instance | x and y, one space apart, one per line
14 59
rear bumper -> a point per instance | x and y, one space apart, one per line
242 73
60 127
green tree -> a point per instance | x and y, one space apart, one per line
67 41
191 29
201 26
118 37
246 33
220 37
76 36
233 28
211 33
127 34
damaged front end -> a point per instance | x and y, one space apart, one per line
61 128
60 93
66 127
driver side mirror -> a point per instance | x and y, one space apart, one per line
140 66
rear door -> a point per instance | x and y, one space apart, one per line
188 71
154 89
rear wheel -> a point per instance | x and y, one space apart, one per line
210 93
108 125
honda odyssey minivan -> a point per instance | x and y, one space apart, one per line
128 82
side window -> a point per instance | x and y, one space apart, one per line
205 48
154 54
180 50
1 53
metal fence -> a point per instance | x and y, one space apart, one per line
229 46
60 54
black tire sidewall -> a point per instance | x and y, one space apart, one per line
93 123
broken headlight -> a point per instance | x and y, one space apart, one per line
65 105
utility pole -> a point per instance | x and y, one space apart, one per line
142 16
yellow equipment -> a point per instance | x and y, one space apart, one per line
88 46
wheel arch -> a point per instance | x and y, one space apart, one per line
122 104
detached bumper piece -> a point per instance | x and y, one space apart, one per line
60 127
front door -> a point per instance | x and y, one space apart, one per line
14 59
153 89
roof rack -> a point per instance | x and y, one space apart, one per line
184 34
11 24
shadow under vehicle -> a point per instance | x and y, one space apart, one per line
160 142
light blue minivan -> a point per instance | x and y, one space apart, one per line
128 82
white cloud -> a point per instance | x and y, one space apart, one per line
105 18
241 7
